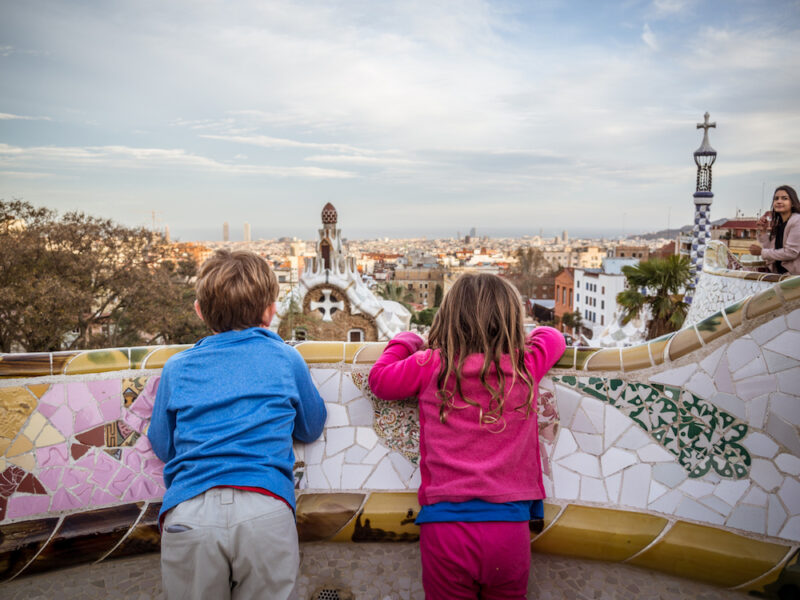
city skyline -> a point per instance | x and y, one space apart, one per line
414 119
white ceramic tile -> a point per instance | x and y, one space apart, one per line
332 467
655 453
615 425
668 502
793 319
776 516
790 495
384 477
566 484
697 488
615 460
567 401
716 504
636 485
760 445
337 415
353 476
299 450
582 463
710 362
565 444
375 455
315 452
316 478
676 377
633 439
749 518
595 410
701 385
784 433
792 529
416 480
691 509
582 423
338 438
349 390
366 436
656 491
722 377
590 443
778 362
355 454
547 482
546 384
730 404
753 387
402 465
327 381
788 464
787 343
593 490
670 474
756 497
754 368
613 485
757 412
361 412
769 330
731 491
741 352
764 473
789 381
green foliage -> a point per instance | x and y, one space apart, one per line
573 320
438 294
397 293
76 281
425 316
657 284
531 273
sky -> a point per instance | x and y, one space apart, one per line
414 118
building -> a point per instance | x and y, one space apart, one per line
421 283
331 301
564 296
737 234
596 294
247 232
641 253
226 232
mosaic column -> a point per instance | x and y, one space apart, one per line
704 158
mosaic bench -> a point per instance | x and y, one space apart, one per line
681 455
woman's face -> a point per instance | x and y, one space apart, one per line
781 203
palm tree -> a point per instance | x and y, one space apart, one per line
573 321
657 284
396 292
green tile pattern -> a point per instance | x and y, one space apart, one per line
700 435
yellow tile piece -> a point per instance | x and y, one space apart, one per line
582 355
550 513
159 357
658 346
38 389
386 517
762 303
4 444
759 584
683 342
636 357
790 288
20 446
320 516
98 361
369 353
49 437
16 405
321 352
712 555
712 327
599 533
607 359
2 464
351 349
735 312
567 360
138 355
24 461
35 425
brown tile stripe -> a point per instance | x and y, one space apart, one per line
687 550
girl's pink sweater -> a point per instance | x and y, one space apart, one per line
463 459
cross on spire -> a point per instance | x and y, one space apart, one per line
705 125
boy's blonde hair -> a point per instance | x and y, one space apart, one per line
234 289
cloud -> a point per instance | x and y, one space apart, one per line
649 38
671 7
10 117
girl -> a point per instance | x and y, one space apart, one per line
479 444
779 233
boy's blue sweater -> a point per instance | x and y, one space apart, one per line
226 411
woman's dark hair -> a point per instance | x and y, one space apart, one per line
775 216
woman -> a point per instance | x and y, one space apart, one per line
779 233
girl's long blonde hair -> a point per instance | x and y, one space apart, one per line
480 314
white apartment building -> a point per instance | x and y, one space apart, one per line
596 293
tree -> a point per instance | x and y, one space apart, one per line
438 294
397 293
76 281
425 316
573 320
658 285
533 275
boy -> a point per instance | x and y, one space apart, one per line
223 421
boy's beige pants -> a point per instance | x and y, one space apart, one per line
236 544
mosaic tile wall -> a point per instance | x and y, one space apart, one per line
680 455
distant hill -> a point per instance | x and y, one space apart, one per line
671 233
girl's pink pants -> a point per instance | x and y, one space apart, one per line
475 560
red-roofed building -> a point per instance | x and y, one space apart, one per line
737 234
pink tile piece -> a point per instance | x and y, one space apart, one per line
48 410
54 396
74 477
87 460
62 419
104 469
63 500
133 421
79 396
23 506
111 409
143 445
122 480
159 485
108 389
100 497
143 405
142 489
84 493
51 477
154 468
87 418
52 456
132 459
